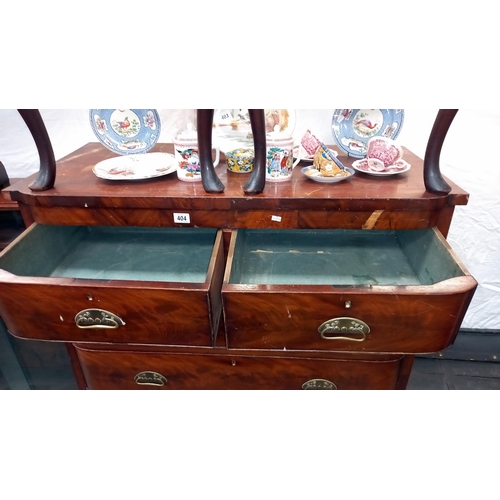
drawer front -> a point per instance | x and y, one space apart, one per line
344 290
80 309
92 314
147 370
373 321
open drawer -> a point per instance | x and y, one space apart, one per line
113 284
401 291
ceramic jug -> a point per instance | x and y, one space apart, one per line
186 154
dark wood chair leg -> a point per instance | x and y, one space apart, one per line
257 181
47 175
4 177
433 180
210 180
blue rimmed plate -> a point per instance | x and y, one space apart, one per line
353 128
126 131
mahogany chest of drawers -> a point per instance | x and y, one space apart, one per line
305 286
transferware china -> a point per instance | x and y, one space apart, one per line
279 156
187 155
135 167
126 131
353 128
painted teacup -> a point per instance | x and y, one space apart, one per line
383 152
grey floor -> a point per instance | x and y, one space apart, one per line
471 363
448 374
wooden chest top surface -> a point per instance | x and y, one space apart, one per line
77 186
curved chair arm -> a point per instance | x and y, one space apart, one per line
47 174
433 180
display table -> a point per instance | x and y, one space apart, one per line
221 329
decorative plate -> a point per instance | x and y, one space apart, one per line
310 174
136 167
399 168
353 128
232 129
126 131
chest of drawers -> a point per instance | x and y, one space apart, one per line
328 314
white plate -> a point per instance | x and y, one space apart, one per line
362 166
232 129
136 167
326 180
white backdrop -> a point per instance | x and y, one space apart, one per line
467 158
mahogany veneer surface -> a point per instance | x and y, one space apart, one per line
363 201
260 359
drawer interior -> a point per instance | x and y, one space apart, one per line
341 257
112 253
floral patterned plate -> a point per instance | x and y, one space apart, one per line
136 167
126 131
353 128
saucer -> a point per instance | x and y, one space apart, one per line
136 167
327 180
362 166
126 131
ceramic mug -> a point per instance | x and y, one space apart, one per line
279 156
187 155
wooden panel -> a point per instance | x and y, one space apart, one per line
117 370
373 219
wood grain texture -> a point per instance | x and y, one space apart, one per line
111 370
402 319
79 197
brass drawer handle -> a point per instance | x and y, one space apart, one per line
150 378
339 328
319 384
97 318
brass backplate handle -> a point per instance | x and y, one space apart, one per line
98 318
150 378
319 384
344 329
